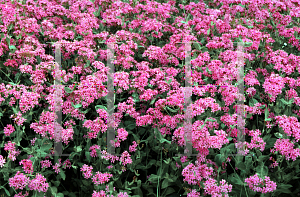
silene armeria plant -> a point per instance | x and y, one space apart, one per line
148 39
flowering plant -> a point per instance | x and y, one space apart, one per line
149 98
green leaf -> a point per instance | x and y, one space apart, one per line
262 106
12 47
165 184
6 191
284 101
208 31
7 40
46 147
253 102
86 111
100 107
262 170
241 166
62 174
242 5
153 100
167 161
278 135
68 90
183 22
210 120
208 71
284 188
266 113
172 110
235 180
87 64
291 101
160 137
77 105
219 159
248 44
60 195
78 148
169 81
197 46
153 178
54 190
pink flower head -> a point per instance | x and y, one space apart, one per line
8 129
27 165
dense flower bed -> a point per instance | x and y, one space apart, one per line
149 83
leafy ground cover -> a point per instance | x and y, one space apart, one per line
149 81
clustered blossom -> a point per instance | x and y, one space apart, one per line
125 158
20 194
10 146
255 183
19 181
93 150
256 141
57 166
274 85
290 126
38 183
2 161
8 129
18 119
122 134
27 165
100 178
132 148
217 191
285 147
87 171
46 164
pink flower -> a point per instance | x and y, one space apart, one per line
122 134
125 158
100 178
19 181
132 148
254 181
8 129
27 165
46 164
38 183
87 171
2 161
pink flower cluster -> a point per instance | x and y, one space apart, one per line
254 182
132 148
273 85
10 146
38 183
100 178
285 147
256 141
290 125
8 129
2 161
217 191
87 171
27 165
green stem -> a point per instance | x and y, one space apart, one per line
238 176
6 75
